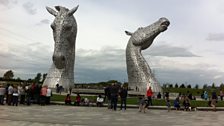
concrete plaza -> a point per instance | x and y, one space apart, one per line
60 115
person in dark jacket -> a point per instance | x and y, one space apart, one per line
114 96
123 94
28 95
108 96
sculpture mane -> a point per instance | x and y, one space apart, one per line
64 29
139 72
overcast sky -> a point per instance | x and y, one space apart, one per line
190 51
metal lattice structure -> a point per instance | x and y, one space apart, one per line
140 76
64 29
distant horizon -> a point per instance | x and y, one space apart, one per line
161 84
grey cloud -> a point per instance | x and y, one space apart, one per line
99 65
4 2
8 3
29 8
88 75
169 51
190 76
44 21
101 59
26 62
215 37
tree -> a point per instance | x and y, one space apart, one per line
213 85
196 86
176 85
38 77
182 86
164 86
205 86
44 77
29 80
112 81
18 79
8 75
170 85
189 86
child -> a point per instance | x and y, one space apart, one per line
143 104
177 103
187 104
168 104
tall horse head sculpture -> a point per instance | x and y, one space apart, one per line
139 73
64 29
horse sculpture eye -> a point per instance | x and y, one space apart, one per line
68 28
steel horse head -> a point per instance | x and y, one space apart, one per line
64 29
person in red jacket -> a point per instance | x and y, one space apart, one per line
149 94
68 99
77 100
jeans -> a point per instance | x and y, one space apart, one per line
28 100
22 99
149 101
42 100
109 103
114 102
1 99
9 99
15 100
48 99
123 103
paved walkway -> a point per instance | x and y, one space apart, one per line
92 116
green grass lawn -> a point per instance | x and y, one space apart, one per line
134 101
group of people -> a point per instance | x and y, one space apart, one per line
24 94
84 101
112 93
180 101
186 101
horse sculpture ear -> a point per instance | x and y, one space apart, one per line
73 10
128 33
51 11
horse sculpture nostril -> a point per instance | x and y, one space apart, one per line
53 57
63 58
